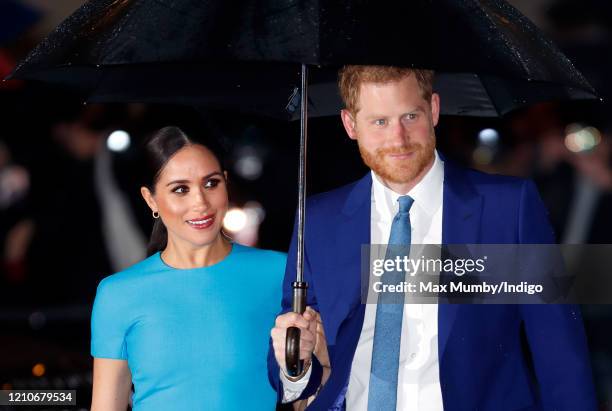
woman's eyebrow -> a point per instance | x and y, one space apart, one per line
187 181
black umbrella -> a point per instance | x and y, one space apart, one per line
492 57
253 55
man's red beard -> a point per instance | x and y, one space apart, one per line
400 172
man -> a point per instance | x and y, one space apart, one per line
426 357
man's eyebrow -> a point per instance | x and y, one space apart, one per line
376 116
187 181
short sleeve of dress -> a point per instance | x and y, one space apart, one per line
109 323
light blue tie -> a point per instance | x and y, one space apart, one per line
382 395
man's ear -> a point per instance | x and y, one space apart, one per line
435 108
349 124
148 198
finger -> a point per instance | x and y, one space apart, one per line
312 318
316 316
306 350
292 320
287 318
307 345
320 329
305 354
278 334
313 327
310 314
308 336
278 342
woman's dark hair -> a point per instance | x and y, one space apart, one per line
158 150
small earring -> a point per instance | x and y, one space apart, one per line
155 214
226 235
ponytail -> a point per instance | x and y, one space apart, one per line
159 238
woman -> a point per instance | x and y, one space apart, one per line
188 326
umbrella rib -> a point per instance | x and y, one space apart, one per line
491 99
501 33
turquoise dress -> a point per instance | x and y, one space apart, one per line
194 339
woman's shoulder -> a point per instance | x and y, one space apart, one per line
259 259
244 252
133 275
266 266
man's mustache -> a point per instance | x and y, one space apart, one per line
404 149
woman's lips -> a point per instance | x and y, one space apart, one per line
202 223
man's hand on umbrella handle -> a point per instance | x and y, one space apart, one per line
320 350
307 323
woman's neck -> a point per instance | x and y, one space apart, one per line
184 257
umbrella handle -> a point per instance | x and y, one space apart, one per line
295 366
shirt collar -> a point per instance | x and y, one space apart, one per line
427 194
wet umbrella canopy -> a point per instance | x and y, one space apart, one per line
248 56
492 57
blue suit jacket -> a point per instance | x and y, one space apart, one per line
484 362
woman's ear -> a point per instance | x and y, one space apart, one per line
148 198
225 175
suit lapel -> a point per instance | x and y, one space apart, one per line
352 231
461 219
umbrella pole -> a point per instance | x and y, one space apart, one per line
292 343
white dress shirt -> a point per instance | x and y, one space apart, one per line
419 375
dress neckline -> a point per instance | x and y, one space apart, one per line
213 266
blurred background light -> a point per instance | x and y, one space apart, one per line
488 136
249 167
38 370
255 211
243 223
580 138
235 220
118 140
248 163
483 155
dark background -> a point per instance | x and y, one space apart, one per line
52 248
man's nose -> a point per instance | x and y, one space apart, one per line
397 133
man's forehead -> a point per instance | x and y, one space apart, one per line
408 81
372 94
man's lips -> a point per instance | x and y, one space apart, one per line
202 222
401 156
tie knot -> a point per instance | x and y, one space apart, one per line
405 202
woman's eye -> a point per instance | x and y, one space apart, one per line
380 122
180 190
212 183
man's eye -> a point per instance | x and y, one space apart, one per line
180 190
411 116
380 122
212 183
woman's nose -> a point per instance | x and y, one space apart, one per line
201 200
